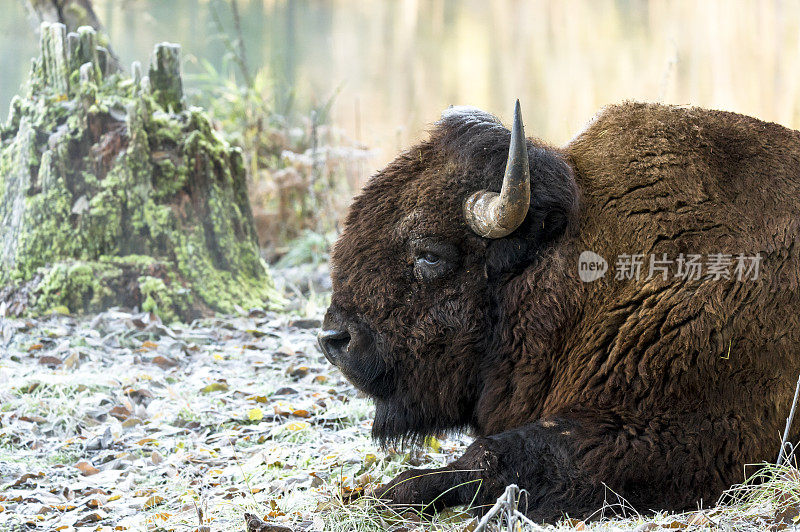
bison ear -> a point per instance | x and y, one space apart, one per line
553 205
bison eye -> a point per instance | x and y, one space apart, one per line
433 259
429 258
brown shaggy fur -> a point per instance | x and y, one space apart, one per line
660 390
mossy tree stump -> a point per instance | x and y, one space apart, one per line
113 193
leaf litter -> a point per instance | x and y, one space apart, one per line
118 421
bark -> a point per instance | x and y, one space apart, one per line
111 193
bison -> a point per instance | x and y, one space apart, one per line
459 303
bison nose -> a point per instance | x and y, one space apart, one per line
332 343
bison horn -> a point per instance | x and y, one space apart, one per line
493 215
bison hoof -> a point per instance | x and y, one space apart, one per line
411 489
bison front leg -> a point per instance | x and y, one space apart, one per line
569 465
534 457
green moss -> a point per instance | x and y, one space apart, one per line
78 286
129 203
158 298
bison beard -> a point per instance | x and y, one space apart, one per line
658 389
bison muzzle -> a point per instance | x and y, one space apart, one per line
458 304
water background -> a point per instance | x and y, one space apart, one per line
394 65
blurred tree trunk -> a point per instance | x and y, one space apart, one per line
73 14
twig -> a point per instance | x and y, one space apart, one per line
235 49
788 423
507 505
237 24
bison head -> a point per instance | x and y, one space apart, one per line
419 269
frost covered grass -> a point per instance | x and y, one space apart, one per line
119 421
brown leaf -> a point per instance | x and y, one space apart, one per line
164 362
96 502
787 514
86 468
298 372
88 519
48 360
131 422
255 524
120 412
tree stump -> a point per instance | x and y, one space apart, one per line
113 193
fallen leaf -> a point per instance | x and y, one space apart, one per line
575 524
164 362
153 501
131 422
215 387
297 426
72 360
298 372
255 414
699 519
255 524
88 519
86 468
120 412
96 502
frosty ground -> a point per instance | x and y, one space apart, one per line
117 421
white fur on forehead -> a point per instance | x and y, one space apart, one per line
467 113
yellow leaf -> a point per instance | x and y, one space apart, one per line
215 387
297 426
153 501
433 444
255 414
301 413
147 344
